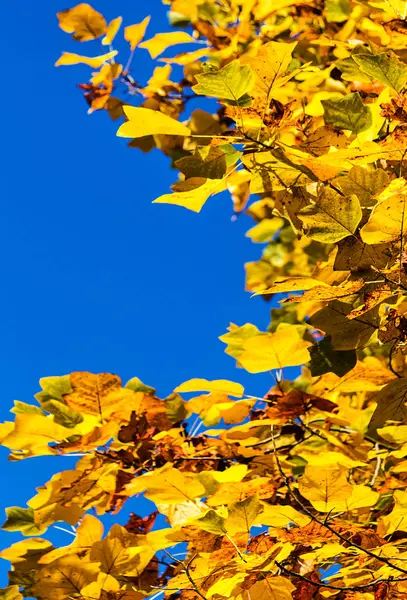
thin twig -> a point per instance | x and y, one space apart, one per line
377 469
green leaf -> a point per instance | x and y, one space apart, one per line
242 515
175 407
324 359
54 388
337 11
63 415
23 407
229 83
137 385
348 112
21 519
331 217
210 162
384 66
212 522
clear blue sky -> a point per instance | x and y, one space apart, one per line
95 277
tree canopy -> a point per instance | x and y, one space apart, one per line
299 112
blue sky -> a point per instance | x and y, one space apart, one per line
95 277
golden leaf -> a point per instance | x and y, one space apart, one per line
161 41
83 21
195 192
111 31
100 394
135 33
217 385
329 490
144 121
68 58
65 578
89 531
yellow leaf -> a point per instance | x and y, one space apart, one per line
33 433
329 490
112 30
83 21
242 515
120 553
225 585
187 57
281 516
327 551
65 578
135 33
215 406
11 592
292 284
89 531
397 519
236 491
270 64
162 41
179 514
284 348
217 385
199 189
388 220
144 121
28 551
265 230
68 58
272 588
106 75
100 394
233 473
167 486
159 81
330 459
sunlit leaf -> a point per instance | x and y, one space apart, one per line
135 33
161 41
144 121
112 30
194 193
218 385
329 489
68 58
232 82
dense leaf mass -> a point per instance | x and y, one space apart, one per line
260 496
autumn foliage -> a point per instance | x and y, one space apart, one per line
255 498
